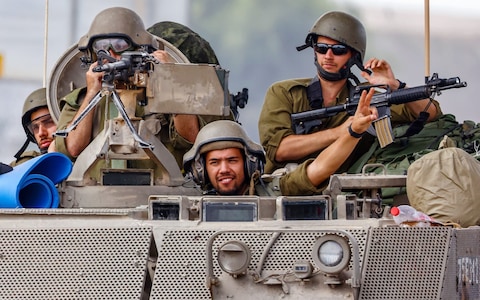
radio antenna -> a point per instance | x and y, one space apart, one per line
427 39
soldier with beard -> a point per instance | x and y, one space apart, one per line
38 125
338 41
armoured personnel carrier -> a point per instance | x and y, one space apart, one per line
135 234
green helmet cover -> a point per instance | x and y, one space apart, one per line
190 43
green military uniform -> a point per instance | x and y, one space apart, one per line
293 183
25 156
290 96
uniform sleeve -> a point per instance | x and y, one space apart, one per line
69 110
401 114
296 183
274 122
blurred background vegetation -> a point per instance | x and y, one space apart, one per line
256 40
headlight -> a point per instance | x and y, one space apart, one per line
331 253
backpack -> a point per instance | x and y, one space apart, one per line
398 156
445 185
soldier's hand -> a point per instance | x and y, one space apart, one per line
365 114
163 56
94 79
382 73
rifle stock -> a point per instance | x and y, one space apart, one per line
305 122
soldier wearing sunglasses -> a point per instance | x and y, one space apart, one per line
338 41
38 125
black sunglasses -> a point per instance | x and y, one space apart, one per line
337 49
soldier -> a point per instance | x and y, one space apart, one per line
38 125
339 43
225 161
116 30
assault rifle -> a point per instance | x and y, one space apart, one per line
305 122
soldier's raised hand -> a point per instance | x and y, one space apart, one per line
365 114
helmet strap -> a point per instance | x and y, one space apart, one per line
22 149
343 74
253 179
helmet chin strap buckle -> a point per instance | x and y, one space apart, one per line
358 62
345 72
302 47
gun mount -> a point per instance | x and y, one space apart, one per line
136 86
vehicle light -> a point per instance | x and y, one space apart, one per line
331 254
234 257
302 269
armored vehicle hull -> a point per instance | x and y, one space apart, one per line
106 253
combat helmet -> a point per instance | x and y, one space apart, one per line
190 43
341 27
37 99
219 135
118 22
345 29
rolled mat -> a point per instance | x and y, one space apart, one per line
32 184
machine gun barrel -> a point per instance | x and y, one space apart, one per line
305 122
129 63
113 66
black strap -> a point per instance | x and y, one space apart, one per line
314 93
22 149
353 133
315 96
5 168
417 125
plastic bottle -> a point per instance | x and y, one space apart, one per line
405 215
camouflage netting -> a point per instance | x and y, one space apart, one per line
195 48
